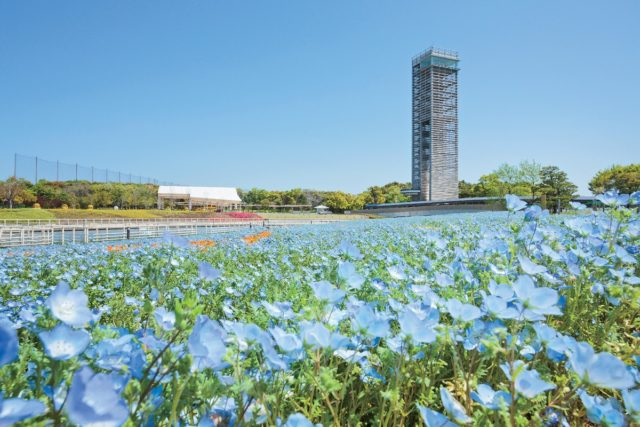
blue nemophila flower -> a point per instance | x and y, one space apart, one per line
8 342
69 306
166 319
600 369
613 198
350 250
299 420
16 410
371 322
527 382
178 241
632 403
286 341
206 344
578 206
207 272
453 407
325 291
530 267
63 343
491 399
121 354
94 399
433 418
536 302
419 330
463 312
602 411
280 310
514 203
347 272
318 336
535 212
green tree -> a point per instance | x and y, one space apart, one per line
16 191
531 175
510 175
625 179
557 188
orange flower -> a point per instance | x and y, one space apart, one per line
251 239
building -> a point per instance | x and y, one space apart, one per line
205 197
434 145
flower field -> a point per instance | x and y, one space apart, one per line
511 318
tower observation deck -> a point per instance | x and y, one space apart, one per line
434 145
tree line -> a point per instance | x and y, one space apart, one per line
547 184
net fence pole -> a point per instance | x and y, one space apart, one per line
36 169
92 174
57 170
76 171
15 165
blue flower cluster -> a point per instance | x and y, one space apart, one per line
512 318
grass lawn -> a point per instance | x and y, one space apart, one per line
28 213
307 215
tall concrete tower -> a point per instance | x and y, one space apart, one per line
434 146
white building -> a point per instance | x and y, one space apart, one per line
218 197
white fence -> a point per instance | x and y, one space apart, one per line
59 231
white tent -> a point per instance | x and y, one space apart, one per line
202 196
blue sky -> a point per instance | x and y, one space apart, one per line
313 94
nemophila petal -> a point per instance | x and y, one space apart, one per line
453 407
396 273
8 342
206 344
371 322
530 267
15 410
489 398
632 403
286 341
69 306
177 241
607 412
299 420
600 369
315 334
606 370
166 319
207 272
350 250
347 272
529 384
444 280
462 311
514 203
94 399
280 310
419 330
324 290
433 418
63 343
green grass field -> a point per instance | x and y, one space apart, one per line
28 213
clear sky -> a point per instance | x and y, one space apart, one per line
313 94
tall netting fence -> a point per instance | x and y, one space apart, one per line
35 169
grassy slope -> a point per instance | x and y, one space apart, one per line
151 213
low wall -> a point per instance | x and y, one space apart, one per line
402 211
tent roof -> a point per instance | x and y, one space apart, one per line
229 194
321 207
